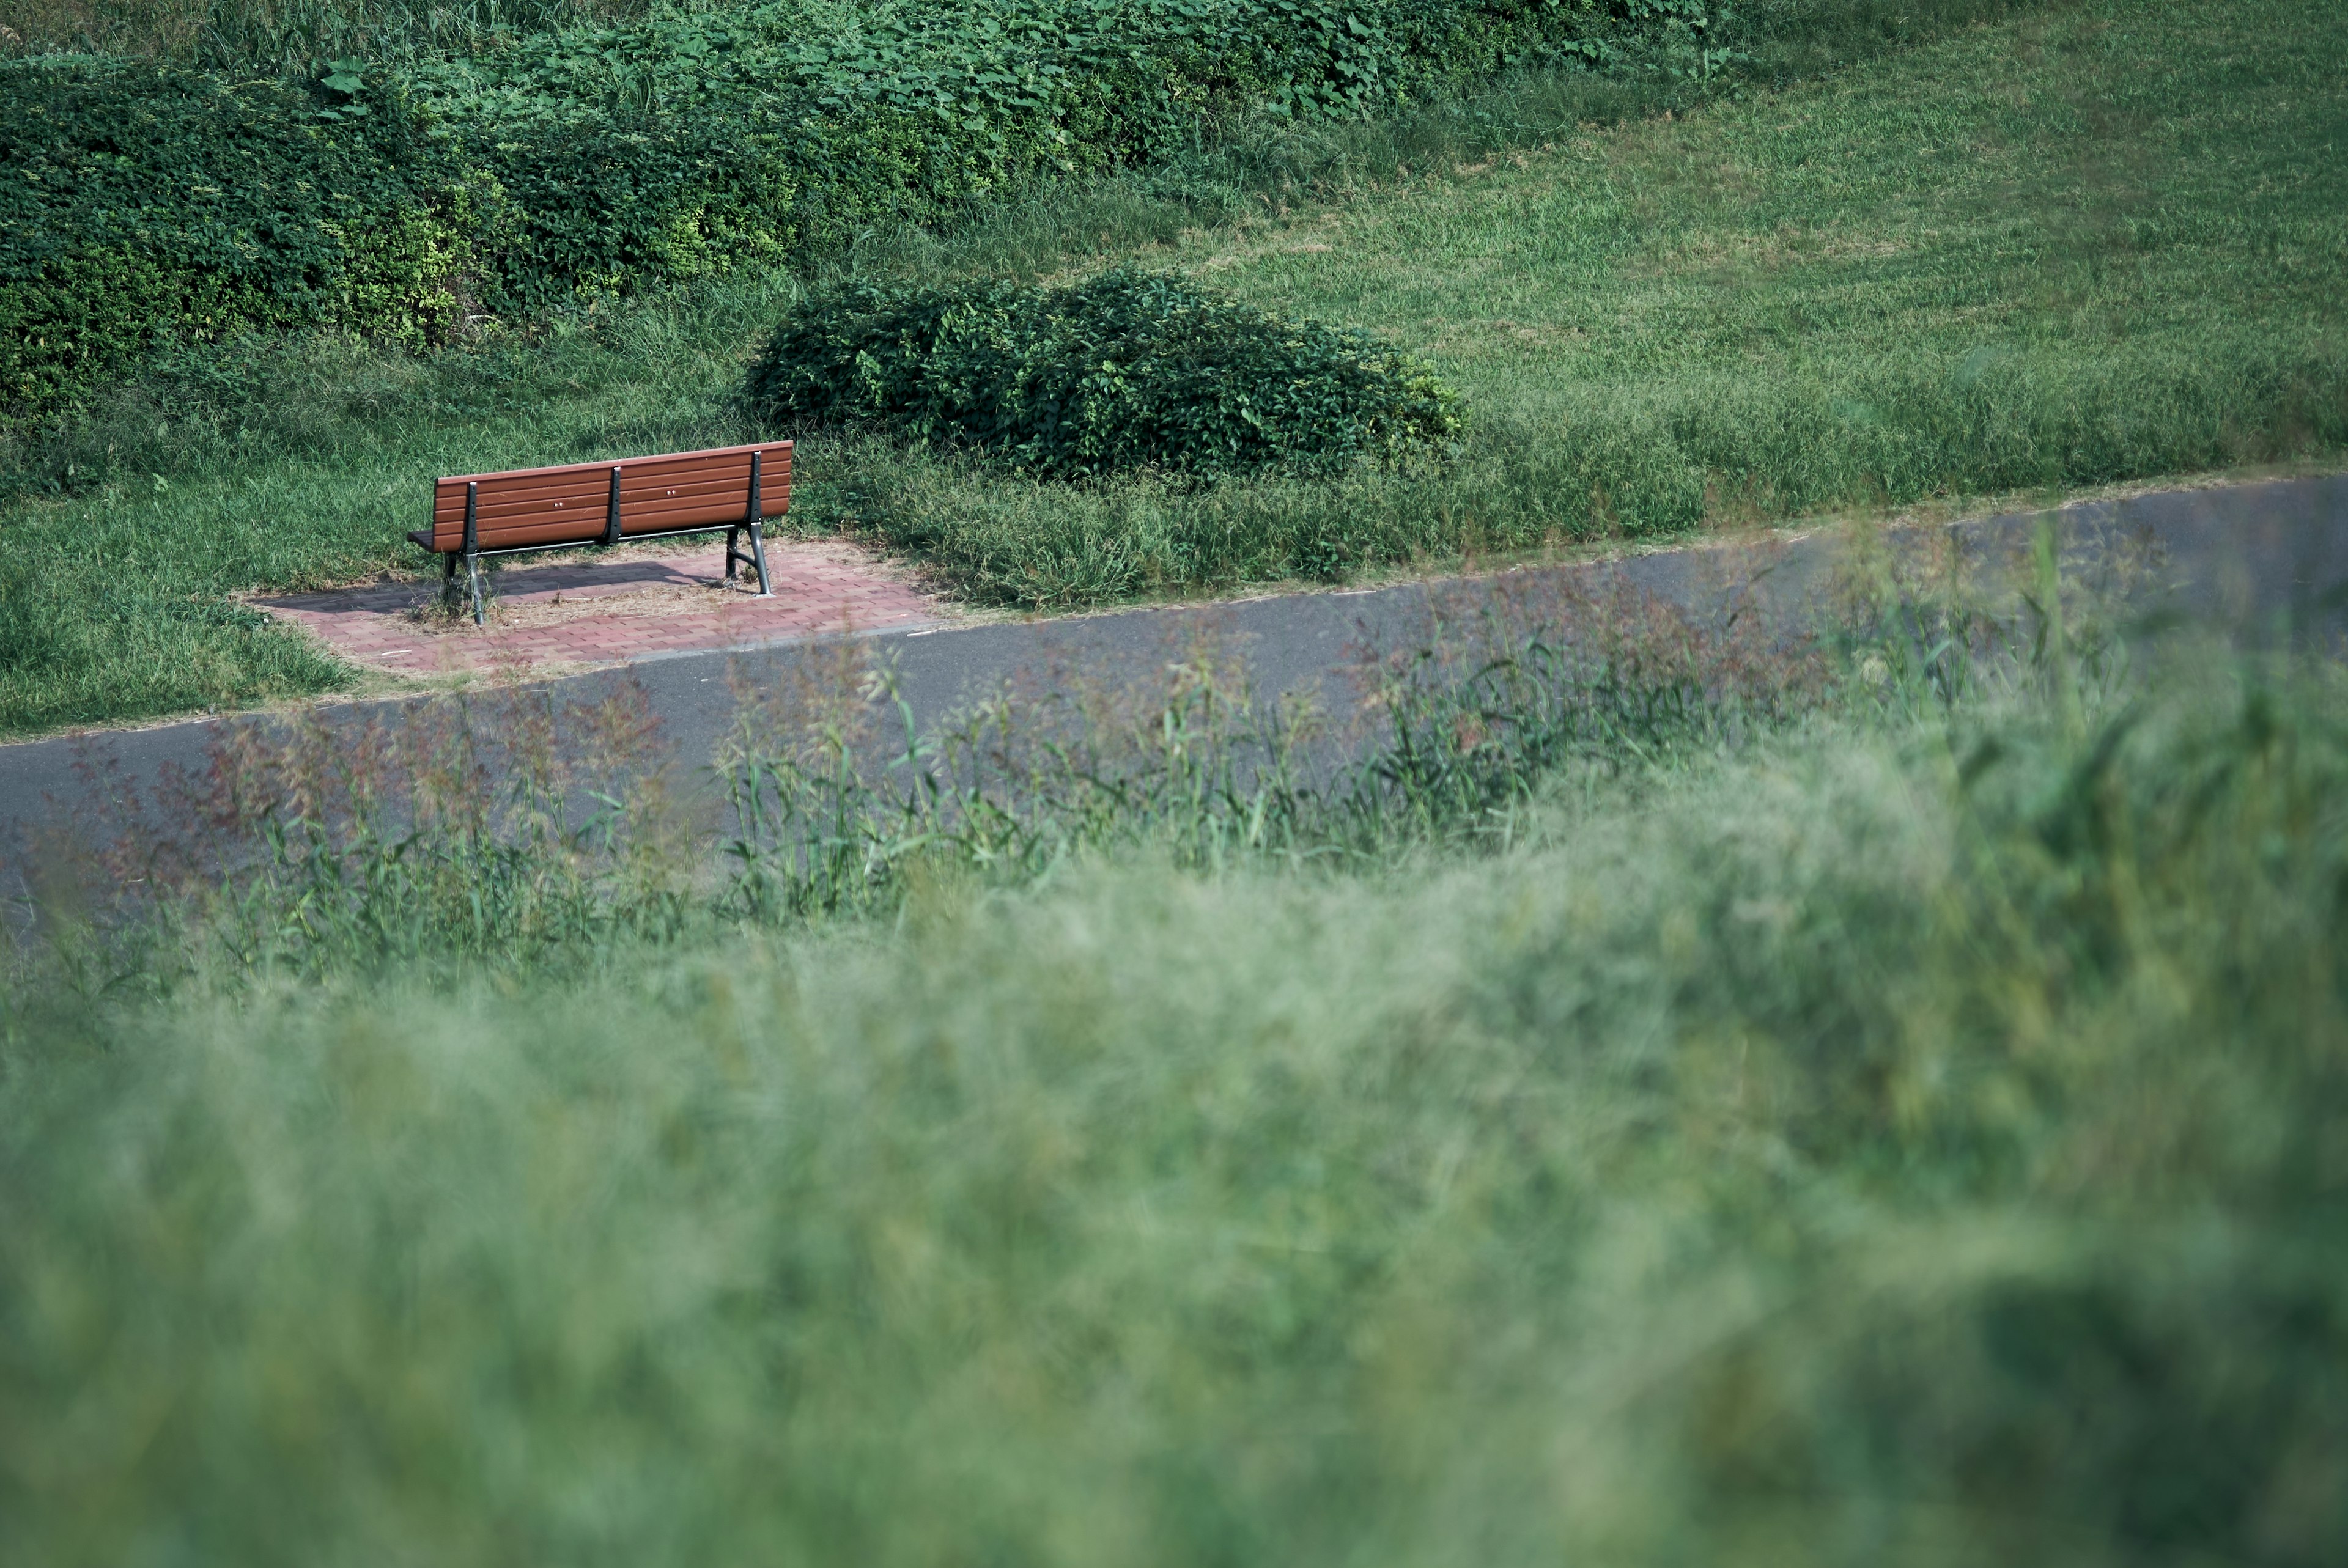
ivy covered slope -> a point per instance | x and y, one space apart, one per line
141 205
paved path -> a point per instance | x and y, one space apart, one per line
2244 554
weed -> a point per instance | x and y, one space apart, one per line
455 830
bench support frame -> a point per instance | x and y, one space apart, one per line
472 554
753 519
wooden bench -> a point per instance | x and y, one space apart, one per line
728 489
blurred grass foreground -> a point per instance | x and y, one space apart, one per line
1679 1093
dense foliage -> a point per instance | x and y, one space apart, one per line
1128 369
140 205
595 160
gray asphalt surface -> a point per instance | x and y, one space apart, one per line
2246 556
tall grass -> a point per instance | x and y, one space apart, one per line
1906 1133
520 834
1461 726
513 831
1632 463
526 836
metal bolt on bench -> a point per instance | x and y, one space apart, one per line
727 489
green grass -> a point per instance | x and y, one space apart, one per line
1908 1140
2083 244
1757 1103
2091 245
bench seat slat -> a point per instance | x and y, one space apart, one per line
714 504
497 505
498 532
634 486
567 503
514 535
776 451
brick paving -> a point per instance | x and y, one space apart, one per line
576 613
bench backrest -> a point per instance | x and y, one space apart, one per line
570 504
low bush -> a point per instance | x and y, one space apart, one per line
1128 369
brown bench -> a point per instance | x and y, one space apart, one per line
728 488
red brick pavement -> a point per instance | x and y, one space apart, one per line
624 609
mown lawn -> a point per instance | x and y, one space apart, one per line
2101 180
2086 243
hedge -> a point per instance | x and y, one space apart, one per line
141 205
1126 371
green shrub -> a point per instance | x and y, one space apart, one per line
1128 369
143 206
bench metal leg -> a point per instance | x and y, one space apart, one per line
753 518
473 547
758 558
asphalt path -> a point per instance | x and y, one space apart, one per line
2249 556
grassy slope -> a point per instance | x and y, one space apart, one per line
2138 178
2103 242
1805 1160
2092 243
